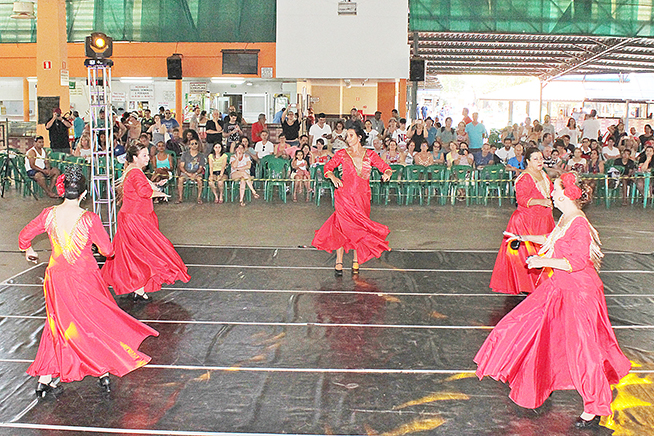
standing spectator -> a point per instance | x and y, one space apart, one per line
158 130
195 119
39 169
461 134
191 167
133 127
264 147
290 127
258 127
169 121
476 131
233 128
58 127
619 135
175 143
377 123
214 129
355 119
591 127
447 133
466 119
146 121
320 130
548 127
571 131
202 126
432 131
400 135
78 127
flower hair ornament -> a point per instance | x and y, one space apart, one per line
570 188
61 190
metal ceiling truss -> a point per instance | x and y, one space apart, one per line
543 56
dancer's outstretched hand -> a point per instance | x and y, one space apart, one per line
31 255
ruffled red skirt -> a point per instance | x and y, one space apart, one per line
510 274
144 257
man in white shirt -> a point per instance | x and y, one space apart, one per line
320 130
507 152
264 147
591 126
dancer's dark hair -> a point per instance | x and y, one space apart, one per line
74 182
133 150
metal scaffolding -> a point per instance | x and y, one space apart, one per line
102 174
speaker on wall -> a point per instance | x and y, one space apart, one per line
174 64
417 70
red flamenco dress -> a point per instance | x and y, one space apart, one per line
559 338
85 333
510 274
144 257
350 225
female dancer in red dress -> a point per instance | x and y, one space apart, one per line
533 216
86 333
144 257
350 226
560 337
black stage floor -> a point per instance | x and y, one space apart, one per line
268 341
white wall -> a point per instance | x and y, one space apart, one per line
313 41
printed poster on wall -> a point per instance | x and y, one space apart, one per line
141 92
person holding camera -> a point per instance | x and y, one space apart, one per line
57 128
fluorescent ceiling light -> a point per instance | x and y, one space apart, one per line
136 79
230 80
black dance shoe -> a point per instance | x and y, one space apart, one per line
593 423
43 389
338 272
105 383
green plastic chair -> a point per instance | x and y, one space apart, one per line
635 194
394 183
437 180
413 182
492 178
323 184
375 185
461 177
611 185
275 173
58 159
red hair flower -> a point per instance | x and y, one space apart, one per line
61 190
570 188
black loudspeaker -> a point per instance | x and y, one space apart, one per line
417 70
174 64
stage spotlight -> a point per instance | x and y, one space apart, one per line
98 46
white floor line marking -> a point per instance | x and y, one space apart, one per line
25 410
309 370
99 430
6 281
317 324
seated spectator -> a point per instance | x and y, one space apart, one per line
264 147
280 147
39 169
452 154
378 146
424 157
323 155
550 163
392 155
439 152
577 163
174 144
465 157
83 148
310 153
241 163
191 167
585 148
161 164
559 146
505 153
217 174
610 151
190 135
371 133
407 156
484 157
517 162
629 168
595 164
645 164
300 173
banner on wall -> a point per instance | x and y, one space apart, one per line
141 92
197 87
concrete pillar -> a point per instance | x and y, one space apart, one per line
385 99
26 99
51 46
402 98
179 109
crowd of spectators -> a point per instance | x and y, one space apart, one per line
215 141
